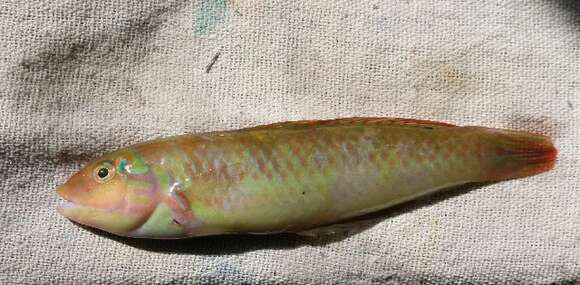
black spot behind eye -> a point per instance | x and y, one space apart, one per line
103 172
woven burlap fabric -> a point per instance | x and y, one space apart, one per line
79 78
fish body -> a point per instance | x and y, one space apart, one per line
289 177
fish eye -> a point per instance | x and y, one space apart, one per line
103 172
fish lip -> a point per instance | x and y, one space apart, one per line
64 203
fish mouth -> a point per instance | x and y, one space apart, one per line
109 220
64 202
68 207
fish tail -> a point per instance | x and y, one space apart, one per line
519 154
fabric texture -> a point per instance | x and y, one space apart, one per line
79 78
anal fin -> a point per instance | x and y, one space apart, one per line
340 229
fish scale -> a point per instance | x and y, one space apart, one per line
294 176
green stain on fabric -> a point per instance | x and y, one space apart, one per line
209 14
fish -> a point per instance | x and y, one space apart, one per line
289 177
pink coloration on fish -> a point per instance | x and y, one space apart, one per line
289 177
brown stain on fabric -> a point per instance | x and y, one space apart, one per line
453 77
234 6
439 77
246 7
444 85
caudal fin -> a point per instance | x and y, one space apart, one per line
522 154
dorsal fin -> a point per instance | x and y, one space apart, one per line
351 121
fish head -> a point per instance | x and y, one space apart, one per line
116 193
